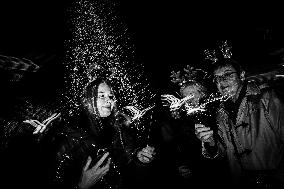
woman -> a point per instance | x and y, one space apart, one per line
192 167
102 151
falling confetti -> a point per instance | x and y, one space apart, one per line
100 46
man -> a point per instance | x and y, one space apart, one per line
250 127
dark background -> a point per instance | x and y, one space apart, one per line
164 33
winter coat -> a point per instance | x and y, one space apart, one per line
78 144
252 132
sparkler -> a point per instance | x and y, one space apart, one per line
100 47
41 127
150 126
216 97
176 103
137 114
192 109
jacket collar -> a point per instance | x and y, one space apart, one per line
252 89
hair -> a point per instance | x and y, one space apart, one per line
204 88
201 84
89 98
228 62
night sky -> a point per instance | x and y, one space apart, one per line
164 34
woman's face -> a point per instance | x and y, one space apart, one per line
193 90
105 100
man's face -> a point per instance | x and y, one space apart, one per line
193 90
227 80
105 100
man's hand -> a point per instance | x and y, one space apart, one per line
146 155
184 171
205 134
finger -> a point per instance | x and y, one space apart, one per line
148 155
141 157
203 134
106 167
108 161
86 167
145 159
198 125
203 129
206 138
101 160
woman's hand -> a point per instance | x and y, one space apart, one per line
205 134
184 171
90 176
146 155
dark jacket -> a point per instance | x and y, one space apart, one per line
77 144
190 150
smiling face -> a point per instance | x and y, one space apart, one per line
227 80
195 90
105 100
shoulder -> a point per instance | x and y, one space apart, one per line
266 93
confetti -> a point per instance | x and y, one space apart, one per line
100 46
